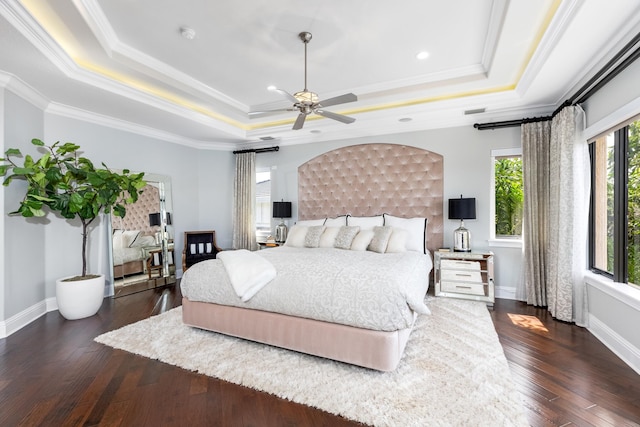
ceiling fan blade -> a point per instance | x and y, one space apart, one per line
256 114
299 121
335 116
285 94
342 99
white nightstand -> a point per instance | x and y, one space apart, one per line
467 275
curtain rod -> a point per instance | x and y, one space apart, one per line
595 83
257 150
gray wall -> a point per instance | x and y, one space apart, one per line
24 241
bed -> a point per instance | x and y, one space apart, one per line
327 299
130 252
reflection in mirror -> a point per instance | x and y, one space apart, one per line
142 251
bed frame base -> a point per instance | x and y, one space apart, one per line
378 350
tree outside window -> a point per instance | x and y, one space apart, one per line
508 196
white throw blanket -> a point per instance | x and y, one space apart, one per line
247 271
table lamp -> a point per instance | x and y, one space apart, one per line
281 210
462 208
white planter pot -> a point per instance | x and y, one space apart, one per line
81 298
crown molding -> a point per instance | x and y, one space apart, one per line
112 123
99 24
563 16
24 91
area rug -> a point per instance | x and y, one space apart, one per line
453 373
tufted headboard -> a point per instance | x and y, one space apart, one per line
137 217
372 179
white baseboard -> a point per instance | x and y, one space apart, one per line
22 319
505 292
621 347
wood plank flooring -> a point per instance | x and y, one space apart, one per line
53 374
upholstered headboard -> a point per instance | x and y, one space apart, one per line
137 217
372 179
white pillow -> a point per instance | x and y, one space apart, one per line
336 222
398 240
312 239
345 237
311 222
117 239
416 227
128 237
296 236
328 238
362 240
365 222
381 235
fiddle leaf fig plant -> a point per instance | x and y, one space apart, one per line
63 182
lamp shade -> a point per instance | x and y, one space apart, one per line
281 210
154 219
462 208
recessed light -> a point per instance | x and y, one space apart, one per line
405 119
422 55
271 87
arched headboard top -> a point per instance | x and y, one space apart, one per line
372 179
137 216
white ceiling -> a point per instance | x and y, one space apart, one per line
126 63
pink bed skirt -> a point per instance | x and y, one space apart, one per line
363 347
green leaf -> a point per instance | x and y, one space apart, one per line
36 141
23 171
13 152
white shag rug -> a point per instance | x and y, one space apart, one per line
453 373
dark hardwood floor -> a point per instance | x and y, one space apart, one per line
52 373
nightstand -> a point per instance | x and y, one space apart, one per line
466 275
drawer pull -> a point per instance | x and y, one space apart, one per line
463 287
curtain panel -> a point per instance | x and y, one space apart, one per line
557 187
244 200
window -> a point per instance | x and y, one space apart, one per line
615 204
263 205
507 194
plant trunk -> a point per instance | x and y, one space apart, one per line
85 226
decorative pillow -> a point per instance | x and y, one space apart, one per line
296 236
117 239
345 237
311 222
312 239
128 237
380 239
336 222
416 229
143 241
365 222
398 240
328 238
362 240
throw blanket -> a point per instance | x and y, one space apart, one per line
248 272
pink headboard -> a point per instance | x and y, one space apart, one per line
137 217
372 179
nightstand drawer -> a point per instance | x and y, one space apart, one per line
456 264
463 288
462 276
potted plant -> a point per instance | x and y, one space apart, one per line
69 185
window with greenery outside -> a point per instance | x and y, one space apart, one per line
509 197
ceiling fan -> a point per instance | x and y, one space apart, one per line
307 102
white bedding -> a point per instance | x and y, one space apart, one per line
357 288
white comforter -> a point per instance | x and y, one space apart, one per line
363 289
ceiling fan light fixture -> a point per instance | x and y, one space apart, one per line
306 97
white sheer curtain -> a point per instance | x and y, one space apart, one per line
244 200
557 187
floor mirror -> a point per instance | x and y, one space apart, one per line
141 245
